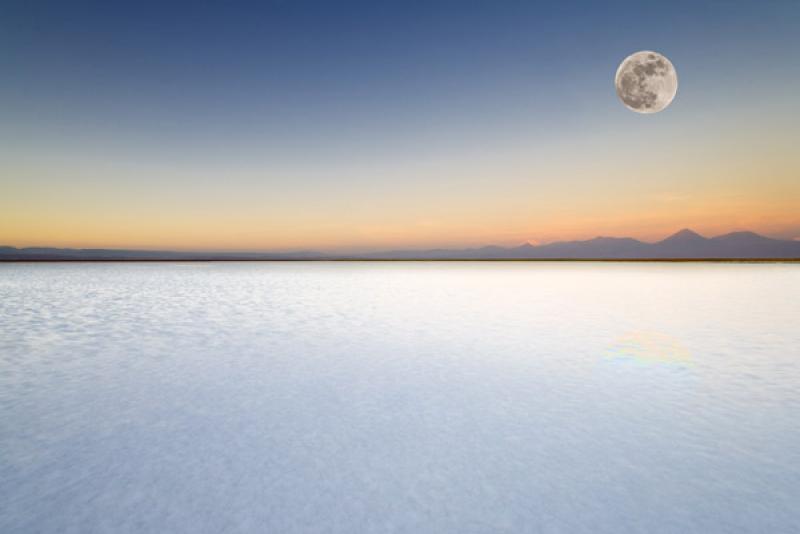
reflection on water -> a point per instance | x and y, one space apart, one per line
399 397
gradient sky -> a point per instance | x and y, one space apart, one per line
352 125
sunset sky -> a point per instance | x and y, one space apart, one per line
357 125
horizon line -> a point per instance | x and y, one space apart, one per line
369 250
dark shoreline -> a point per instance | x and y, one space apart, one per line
428 260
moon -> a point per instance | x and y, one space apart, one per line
646 82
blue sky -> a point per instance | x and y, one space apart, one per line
315 107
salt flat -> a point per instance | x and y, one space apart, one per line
399 397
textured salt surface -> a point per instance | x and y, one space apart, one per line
399 398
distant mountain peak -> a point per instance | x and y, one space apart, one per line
686 232
684 235
743 240
739 235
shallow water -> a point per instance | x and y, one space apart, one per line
399 397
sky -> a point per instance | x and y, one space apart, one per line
286 125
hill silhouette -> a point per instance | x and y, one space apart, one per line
682 245
685 244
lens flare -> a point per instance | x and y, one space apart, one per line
650 348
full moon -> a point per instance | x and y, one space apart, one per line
646 82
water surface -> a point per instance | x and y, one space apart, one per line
399 397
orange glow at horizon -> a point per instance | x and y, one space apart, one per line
532 191
455 225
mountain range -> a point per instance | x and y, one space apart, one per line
683 245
